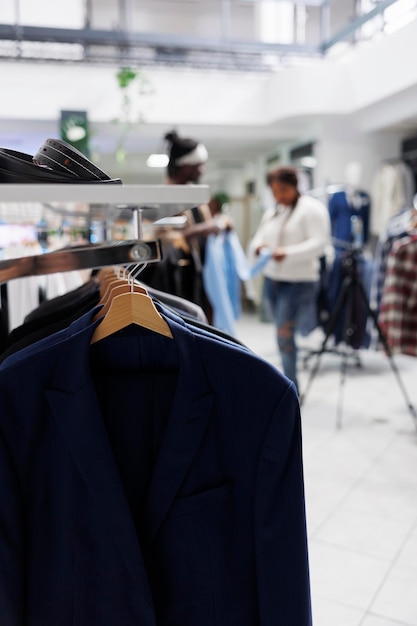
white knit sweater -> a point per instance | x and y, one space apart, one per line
303 233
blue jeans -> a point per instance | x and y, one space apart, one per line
288 303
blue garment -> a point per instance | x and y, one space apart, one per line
341 210
225 266
288 303
232 277
263 258
75 545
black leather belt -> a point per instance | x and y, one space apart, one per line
55 162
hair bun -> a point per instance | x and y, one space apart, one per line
172 137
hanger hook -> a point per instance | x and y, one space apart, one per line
136 270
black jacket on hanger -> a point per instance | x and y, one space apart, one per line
152 481
52 316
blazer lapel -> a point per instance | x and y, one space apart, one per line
77 415
188 421
76 410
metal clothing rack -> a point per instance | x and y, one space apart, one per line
89 256
171 196
161 201
353 282
164 200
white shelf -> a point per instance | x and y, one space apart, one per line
140 195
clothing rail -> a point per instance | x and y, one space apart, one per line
89 256
168 200
140 195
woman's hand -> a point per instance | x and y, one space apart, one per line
259 248
279 254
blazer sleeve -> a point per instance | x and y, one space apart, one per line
12 600
280 528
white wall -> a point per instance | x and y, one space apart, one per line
380 69
333 154
366 76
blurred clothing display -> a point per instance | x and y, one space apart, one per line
345 204
398 311
393 189
396 228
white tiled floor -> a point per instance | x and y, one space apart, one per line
361 484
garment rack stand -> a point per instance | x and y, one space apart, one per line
168 200
346 298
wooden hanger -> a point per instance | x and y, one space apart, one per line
126 303
105 275
131 308
117 288
110 279
108 287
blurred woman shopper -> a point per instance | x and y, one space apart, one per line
295 233
180 273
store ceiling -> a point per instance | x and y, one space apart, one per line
226 35
235 113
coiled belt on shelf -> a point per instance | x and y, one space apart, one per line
55 162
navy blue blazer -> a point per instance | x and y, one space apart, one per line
341 211
218 537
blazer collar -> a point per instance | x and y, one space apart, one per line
75 408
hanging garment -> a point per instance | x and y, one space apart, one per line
353 314
392 190
224 268
180 272
55 315
342 207
396 229
408 180
22 293
146 480
52 316
180 305
398 312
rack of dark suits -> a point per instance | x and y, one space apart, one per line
151 468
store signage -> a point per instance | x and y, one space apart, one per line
75 131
